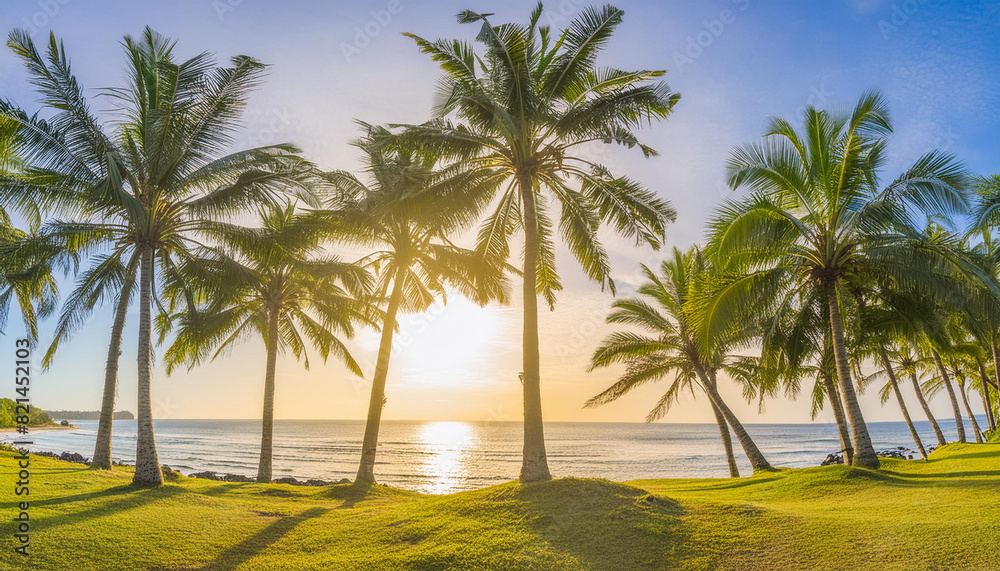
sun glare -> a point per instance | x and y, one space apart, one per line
448 343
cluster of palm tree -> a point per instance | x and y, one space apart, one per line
823 273
819 273
150 203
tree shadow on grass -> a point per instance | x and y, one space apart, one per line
115 491
258 542
125 498
606 525
350 493
954 477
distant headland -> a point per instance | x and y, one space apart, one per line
88 415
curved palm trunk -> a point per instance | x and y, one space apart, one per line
927 410
863 452
267 422
102 449
147 463
366 471
968 409
899 399
843 429
727 441
534 464
757 460
985 394
946 379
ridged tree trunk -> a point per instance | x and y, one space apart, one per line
534 463
899 399
102 449
927 409
727 440
968 409
864 453
267 422
985 394
843 429
366 471
946 379
147 462
757 460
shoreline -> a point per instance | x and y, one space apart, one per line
897 453
9 429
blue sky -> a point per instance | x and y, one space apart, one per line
734 62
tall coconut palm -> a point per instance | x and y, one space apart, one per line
957 365
271 282
907 361
142 183
405 208
796 344
664 310
818 218
529 106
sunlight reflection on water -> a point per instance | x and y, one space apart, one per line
444 447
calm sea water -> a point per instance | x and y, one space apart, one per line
443 457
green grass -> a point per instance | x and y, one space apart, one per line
940 514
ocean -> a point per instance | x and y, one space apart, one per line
444 457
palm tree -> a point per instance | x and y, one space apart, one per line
818 218
27 259
405 212
143 184
528 108
909 362
269 282
796 344
664 310
957 364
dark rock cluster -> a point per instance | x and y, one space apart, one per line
248 479
899 452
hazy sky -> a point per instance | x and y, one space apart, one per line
734 62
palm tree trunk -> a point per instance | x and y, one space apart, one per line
985 394
843 429
946 379
968 409
863 452
366 471
267 423
927 409
102 449
147 463
727 441
899 399
757 460
534 464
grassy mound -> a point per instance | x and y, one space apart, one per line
939 514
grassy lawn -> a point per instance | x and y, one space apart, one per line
940 514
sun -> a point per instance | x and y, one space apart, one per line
447 343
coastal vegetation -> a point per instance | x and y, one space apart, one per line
816 271
9 414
